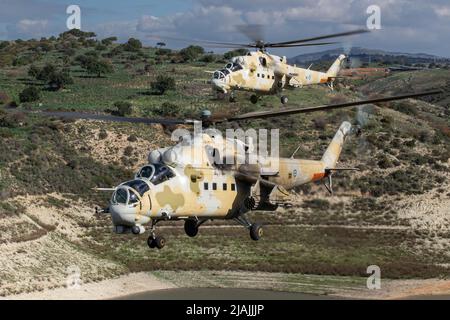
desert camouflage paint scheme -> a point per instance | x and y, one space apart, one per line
266 74
191 181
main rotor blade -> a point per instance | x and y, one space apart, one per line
105 117
302 45
277 113
199 41
335 35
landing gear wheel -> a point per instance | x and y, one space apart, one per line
256 231
232 99
284 99
254 99
190 227
160 242
151 242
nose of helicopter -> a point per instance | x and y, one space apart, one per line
219 85
122 215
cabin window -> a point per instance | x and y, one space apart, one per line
214 186
262 76
263 61
257 75
233 187
273 77
205 186
224 187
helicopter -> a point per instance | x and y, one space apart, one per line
175 185
265 74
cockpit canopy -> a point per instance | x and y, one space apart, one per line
130 195
230 67
155 173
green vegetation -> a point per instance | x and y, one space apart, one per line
162 84
30 94
403 154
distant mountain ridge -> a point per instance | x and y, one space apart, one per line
373 54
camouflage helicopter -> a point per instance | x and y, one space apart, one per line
265 74
172 186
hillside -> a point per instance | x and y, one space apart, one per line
372 56
393 213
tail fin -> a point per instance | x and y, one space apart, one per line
336 66
331 155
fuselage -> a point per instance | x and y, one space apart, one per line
263 73
171 187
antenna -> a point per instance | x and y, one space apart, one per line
296 150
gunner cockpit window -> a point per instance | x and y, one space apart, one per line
233 67
146 172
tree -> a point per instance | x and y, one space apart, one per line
93 65
133 45
162 84
59 80
45 73
191 53
33 71
30 94
109 41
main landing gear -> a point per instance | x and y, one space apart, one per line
284 99
256 229
191 226
153 240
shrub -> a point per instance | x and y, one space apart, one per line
167 109
102 134
30 94
93 65
128 151
123 108
4 98
162 84
33 71
191 53
132 138
208 58
235 53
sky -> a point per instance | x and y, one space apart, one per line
413 26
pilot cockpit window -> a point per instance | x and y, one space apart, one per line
162 173
121 196
140 186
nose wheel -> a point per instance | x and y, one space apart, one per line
155 241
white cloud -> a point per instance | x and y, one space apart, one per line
28 28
